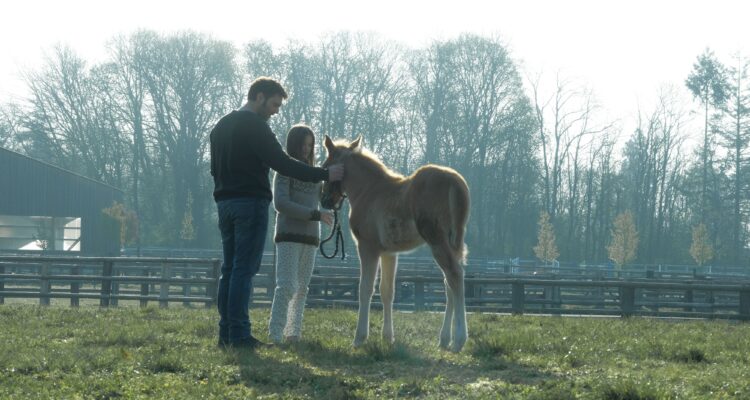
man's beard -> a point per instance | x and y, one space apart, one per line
264 112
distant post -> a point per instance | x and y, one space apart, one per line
106 291
212 287
689 300
145 288
518 295
418 295
164 286
2 283
44 285
75 287
745 303
627 300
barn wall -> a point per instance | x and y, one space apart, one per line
30 187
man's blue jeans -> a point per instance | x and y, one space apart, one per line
243 223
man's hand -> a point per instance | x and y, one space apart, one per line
335 172
326 217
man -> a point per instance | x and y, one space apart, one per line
243 148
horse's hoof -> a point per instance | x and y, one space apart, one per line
457 345
456 348
358 342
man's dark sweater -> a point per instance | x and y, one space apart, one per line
243 148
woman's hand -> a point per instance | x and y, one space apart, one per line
326 217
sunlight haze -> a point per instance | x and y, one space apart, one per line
624 51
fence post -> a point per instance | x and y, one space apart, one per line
113 296
44 285
2 283
470 288
547 291
75 287
517 297
186 287
213 286
164 286
418 296
106 284
745 303
627 300
145 286
689 299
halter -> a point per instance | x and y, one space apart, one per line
335 230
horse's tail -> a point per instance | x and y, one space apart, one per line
459 203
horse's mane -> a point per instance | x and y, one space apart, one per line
370 162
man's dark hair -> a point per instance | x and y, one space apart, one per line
268 86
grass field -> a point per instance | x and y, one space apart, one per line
131 353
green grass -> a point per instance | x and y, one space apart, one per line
130 353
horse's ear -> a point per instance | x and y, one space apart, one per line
356 142
329 144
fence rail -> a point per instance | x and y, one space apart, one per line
111 280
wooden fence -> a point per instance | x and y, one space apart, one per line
191 281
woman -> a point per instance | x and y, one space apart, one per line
297 238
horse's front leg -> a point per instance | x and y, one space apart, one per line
368 268
388 264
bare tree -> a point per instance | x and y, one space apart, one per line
597 177
564 120
128 91
651 156
191 82
431 74
11 136
361 84
294 66
71 121
487 125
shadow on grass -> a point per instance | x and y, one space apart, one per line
406 370
266 374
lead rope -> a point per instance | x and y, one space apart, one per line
335 230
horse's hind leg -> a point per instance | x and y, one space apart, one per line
388 264
455 310
368 268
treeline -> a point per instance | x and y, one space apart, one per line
140 121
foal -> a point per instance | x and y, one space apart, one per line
390 213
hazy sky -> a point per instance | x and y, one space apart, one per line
624 50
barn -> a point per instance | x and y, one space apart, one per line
44 208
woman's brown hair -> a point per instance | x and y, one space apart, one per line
295 139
